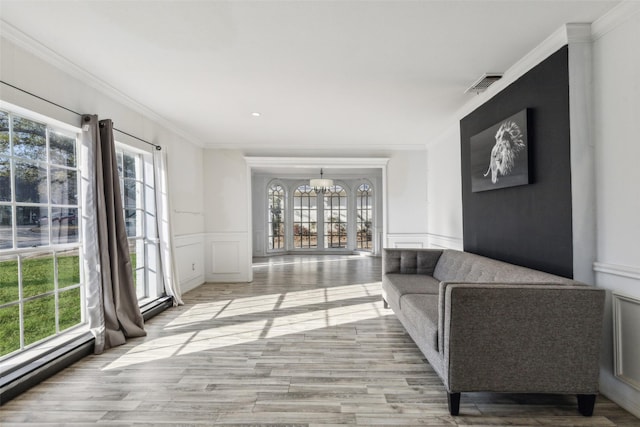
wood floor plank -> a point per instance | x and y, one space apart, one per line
307 343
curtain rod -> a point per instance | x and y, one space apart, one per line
139 139
158 147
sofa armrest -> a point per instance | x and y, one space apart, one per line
410 261
522 337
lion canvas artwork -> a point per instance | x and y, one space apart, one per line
499 155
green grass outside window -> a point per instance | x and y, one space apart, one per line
39 313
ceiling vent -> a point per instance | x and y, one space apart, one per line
484 82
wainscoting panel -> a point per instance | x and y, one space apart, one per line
190 260
620 362
423 241
406 240
626 339
227 256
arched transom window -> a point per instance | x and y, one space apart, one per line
276 217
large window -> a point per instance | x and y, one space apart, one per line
364 217
335 217
305 218
276 218
40 282
339 217
135 169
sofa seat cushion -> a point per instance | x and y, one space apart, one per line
395 285
421 312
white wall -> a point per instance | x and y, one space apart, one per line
444 190
225 191
407 199
186 174
616 67
227 210
259 213
31 68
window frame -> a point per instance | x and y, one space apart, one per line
52 249
146 238
371 216
269 226
311 224
342 209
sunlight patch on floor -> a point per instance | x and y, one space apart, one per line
334 294
250 305
225 308
246 331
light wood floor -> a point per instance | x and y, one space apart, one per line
306 344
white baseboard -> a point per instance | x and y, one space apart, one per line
190 285
620 393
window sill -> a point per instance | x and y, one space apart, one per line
36 368
41 350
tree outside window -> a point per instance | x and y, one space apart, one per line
40 282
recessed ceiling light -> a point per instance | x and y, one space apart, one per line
255 114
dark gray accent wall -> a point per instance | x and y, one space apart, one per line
528 225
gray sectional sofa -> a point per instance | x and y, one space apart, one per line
486 325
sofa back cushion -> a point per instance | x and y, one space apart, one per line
457 266
410 261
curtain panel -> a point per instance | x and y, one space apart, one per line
163 214
112 304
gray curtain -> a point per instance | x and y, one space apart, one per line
112 303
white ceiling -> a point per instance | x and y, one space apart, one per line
324 75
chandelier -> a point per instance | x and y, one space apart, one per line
320 185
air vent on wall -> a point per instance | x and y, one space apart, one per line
484 82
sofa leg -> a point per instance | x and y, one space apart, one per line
385 303
586 402
454 403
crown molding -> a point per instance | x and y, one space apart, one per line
305 162
617 16
567 34
41 51
559 38
368 148
534 57
578 33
